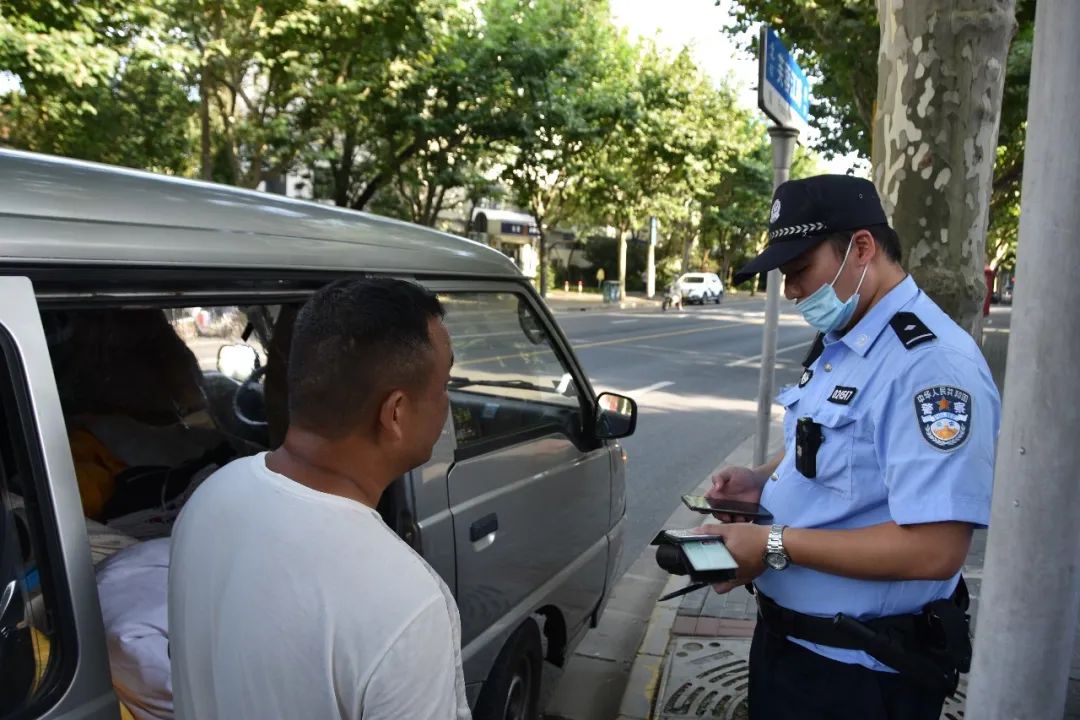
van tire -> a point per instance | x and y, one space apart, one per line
512 691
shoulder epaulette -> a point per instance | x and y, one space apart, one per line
911 330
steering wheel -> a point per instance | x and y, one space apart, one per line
249 401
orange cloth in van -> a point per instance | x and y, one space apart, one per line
42 649
95 471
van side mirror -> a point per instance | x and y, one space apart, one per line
237 361
616 416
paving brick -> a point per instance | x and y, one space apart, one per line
684 625
708 626
735 628
692 603
737 605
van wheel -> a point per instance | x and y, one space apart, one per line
512 691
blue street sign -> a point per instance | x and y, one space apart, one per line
783 90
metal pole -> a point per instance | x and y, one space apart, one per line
1031 591
543 265
783 149
650 288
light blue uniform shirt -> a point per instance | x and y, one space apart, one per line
909 436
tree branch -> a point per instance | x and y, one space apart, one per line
383 175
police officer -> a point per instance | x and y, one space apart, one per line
887 467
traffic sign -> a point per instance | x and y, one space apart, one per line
783 90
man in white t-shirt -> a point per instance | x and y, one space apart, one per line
289 597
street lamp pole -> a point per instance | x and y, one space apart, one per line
1030 595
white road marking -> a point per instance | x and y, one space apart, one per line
649 388
757 358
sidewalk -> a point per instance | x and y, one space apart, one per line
574 301
585 301
693 661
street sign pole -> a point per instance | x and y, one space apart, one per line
784 95
783 149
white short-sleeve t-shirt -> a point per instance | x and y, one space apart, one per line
285 602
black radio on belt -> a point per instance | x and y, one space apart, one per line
808 438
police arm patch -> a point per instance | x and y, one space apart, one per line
943 414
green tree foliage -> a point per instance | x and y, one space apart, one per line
568 68
404 107
99 79
683 139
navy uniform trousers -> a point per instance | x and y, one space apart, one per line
789 682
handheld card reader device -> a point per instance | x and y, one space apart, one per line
703 557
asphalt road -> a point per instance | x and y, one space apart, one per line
695 377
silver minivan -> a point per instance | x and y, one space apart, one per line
144 328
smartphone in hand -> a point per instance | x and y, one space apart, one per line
702 504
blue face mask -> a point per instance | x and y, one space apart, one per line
823 310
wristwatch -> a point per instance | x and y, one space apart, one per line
775 555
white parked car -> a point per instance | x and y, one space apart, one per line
700 288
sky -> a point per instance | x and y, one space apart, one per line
699 25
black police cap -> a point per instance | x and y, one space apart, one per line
804 212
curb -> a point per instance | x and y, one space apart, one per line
648 666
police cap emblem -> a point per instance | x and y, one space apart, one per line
775 214
944 416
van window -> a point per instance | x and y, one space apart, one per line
508 382
156 398
35 641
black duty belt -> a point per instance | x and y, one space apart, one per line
821 630
931 647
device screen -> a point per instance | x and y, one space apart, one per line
702 504
708 556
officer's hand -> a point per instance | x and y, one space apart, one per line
735 483
746 543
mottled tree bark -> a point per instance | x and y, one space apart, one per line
941 69
688 247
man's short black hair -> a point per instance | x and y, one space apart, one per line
884 236
353 341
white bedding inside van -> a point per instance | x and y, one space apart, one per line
133 589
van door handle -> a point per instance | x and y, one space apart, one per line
483 527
